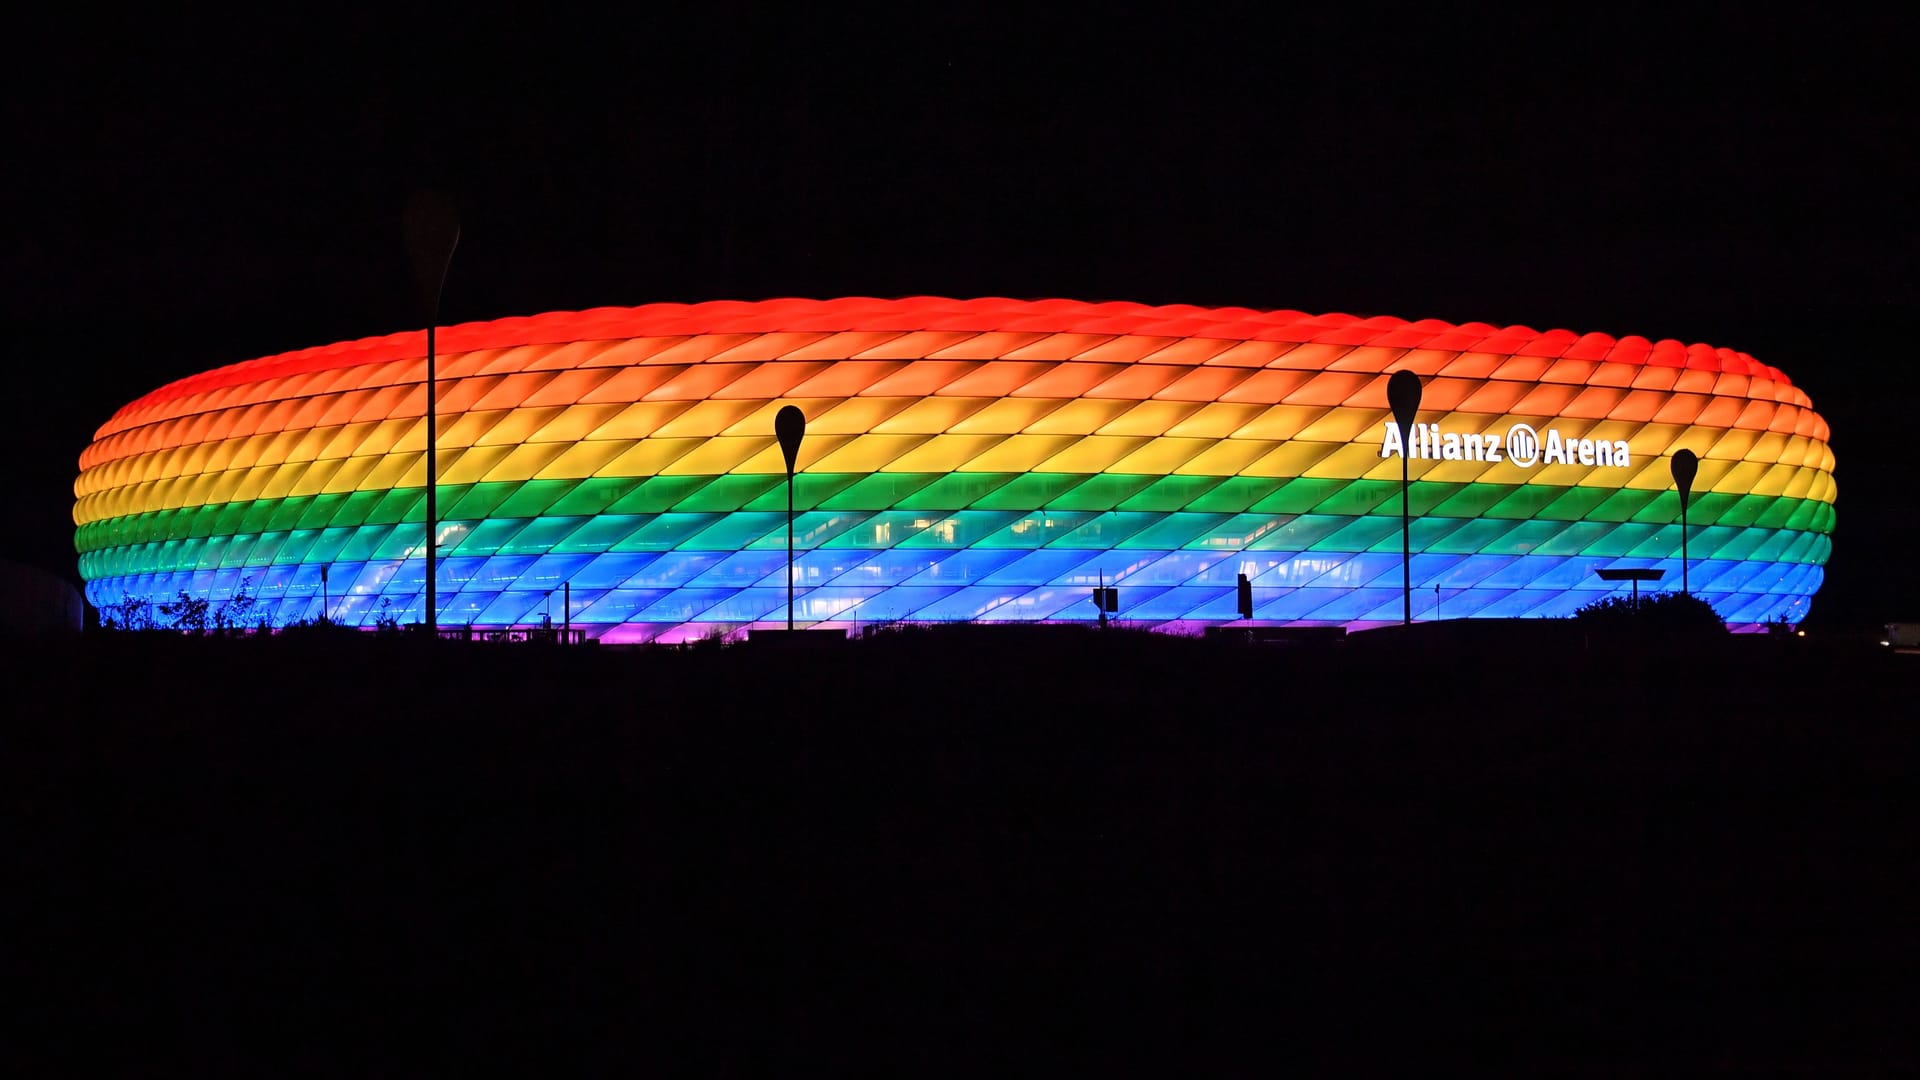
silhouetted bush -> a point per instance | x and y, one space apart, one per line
239 615
387 621
319 629
236 616
129 614
1659 613
187 613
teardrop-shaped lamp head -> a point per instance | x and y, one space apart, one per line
790 426
1403 397
1685 465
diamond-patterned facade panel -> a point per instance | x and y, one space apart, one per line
965 460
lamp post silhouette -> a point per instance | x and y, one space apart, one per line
1634 575
1403 396
433 231
1685 465
790 426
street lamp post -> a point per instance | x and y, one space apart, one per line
789 427
433 230
1403 396
1685 465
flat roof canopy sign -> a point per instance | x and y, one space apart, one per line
1634 574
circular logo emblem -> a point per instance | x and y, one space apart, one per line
1523 445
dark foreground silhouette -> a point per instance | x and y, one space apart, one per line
934 850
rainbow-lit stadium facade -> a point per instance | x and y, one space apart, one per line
965 460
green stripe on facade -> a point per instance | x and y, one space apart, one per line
947 493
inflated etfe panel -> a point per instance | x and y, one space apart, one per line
979 460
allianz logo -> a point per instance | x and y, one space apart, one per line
1521 445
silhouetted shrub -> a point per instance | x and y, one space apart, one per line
187 613
1658 613
236 615
131 614
388 620
319 629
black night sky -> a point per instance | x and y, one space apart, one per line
185 195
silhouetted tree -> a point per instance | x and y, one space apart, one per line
129 613
236 612
186 613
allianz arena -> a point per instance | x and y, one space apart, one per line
965 460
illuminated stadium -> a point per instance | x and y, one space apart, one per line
965 460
